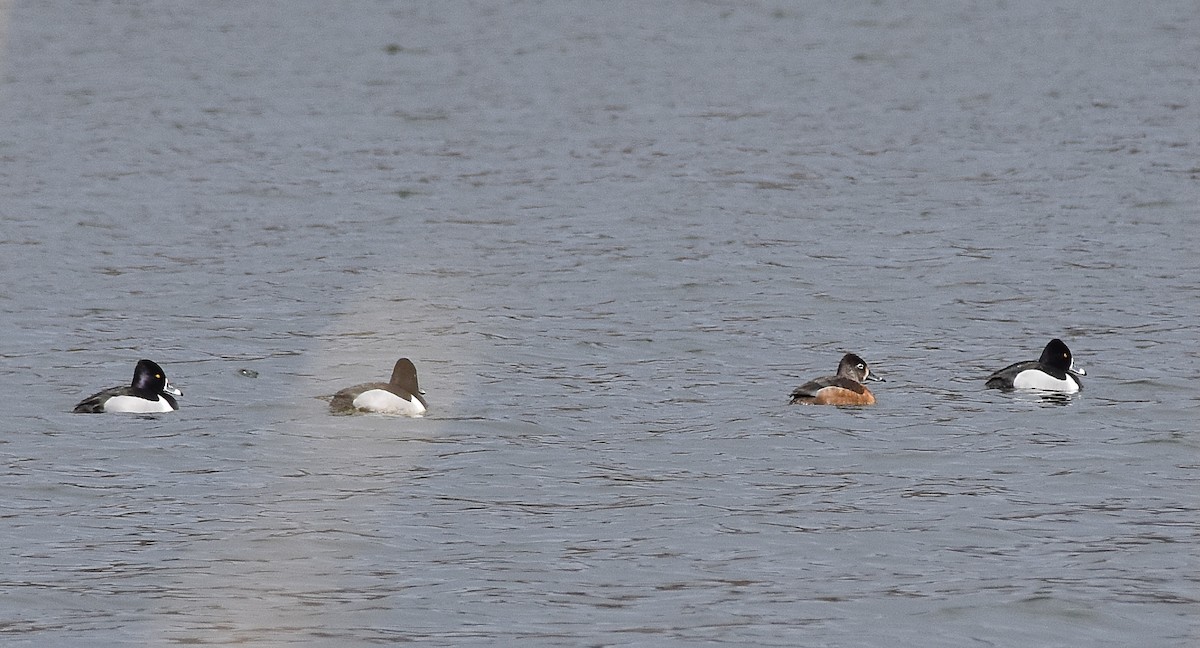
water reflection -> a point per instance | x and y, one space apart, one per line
1042 397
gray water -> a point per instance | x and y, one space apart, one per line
612 236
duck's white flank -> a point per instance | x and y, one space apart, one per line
1036 379
137 405
385 402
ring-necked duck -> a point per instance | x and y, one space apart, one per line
846 388
1054 371
400 396
149 392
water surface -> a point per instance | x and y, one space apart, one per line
612 239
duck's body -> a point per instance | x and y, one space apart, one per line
400 396
148 393
844 388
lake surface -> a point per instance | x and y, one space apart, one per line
612 236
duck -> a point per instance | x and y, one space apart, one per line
844 388
148 393
1054 371
401 395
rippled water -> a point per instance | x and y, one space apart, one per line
612 237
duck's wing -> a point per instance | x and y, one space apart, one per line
1003 379
809 389
94 404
